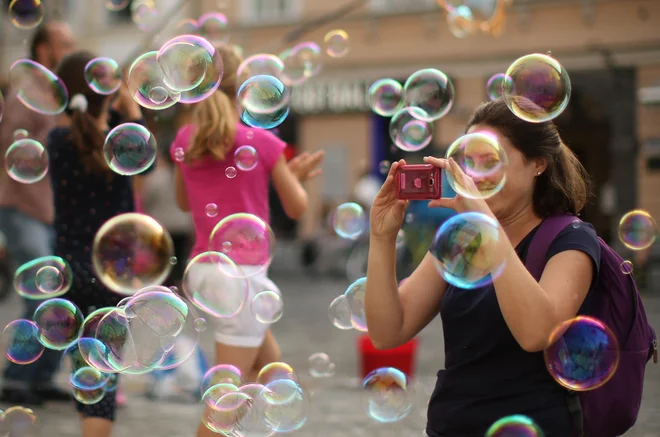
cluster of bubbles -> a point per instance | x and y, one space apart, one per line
275 403
132 253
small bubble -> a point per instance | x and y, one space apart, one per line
20 134
576 223
627 267
384 167
211 210
226 247
230 172
409 218
179 154
250 135
200 325
173 260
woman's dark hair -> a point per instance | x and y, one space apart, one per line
564 186
87 137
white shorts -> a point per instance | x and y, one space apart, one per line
243 329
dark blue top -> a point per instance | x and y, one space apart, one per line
488 375
83 202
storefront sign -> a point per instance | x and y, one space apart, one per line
330 96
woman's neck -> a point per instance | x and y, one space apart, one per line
517 225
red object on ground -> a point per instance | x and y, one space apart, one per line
402 357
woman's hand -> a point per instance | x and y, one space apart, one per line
387 211
306 166
460 203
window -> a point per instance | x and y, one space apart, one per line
270 11
399 6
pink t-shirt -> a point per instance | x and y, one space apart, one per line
212 195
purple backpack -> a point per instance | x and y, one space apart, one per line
611 409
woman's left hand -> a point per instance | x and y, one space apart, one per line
460 203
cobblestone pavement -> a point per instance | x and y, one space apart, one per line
336 407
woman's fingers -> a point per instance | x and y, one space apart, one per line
437 162
445 202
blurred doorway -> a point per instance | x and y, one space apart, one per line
595 125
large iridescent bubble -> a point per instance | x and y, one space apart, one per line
39 89
132 251
537 88
466 250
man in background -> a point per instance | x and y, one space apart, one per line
26 216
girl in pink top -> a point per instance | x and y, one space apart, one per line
203 151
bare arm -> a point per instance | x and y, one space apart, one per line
396 315
180 187
289 189
532 310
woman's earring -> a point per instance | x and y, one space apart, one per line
538 173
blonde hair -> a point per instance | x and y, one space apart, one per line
215 118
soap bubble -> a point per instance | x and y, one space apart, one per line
132 251
583 354
495 86
211 210
286 406
637 230
130 149
386 97
387 395
355 298
264 102
230 172
22 339
409 131
43 278
320 365
275 372
340 313
146 81
103 75
39 89
481 158
514 426
466 250
214 26
301 62
246 158
59 323
538 88
336 43
26 161
349 220
267 307
184 60
431 91
260 65
20 134
144 14
215 284
626 267
461 22
251 238
26 14
221 374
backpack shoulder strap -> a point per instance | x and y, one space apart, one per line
538 248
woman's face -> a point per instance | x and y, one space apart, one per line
518 190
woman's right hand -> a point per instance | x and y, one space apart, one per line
387 211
